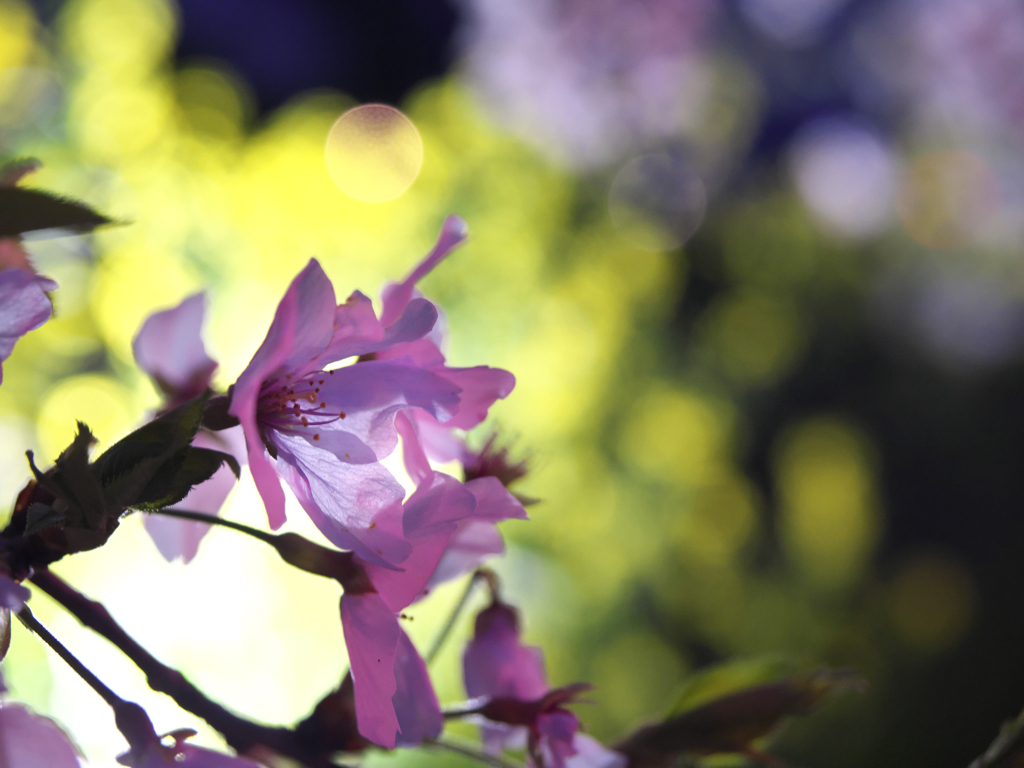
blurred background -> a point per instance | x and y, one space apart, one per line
755 263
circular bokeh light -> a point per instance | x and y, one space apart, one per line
657 201
374 153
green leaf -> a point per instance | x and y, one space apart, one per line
717 680
42 516
733 722
71 481
131 464
30 210
187 468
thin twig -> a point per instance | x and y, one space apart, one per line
241 734
27 618
435 648
496 761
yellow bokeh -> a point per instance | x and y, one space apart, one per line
636 676
756 338
17 26
374 153
721 518
829 509
101 402
676 436
126 39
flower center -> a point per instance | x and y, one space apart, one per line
296 405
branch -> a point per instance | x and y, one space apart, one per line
242 735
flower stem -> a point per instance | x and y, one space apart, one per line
293 548
481 574
201 517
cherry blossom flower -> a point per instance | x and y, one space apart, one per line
520 709
325 431
169 348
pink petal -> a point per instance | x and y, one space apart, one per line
24 306
476 539
415 702
396 296
357 334
169 347
30 741
356 506
416 462
473 542
495 663
302 328
590 753
493 500
371 635
430 517
480 386
557 733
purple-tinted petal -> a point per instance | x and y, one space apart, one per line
24 306
356 506
415 460
370 393
12 595
495 663
355 326
396 296
301 330
371 635
473 542
493 500
557 732
480 386
175 537
169 347
416 704
30 741
477 538
497 737
430 517
590 753
357 335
